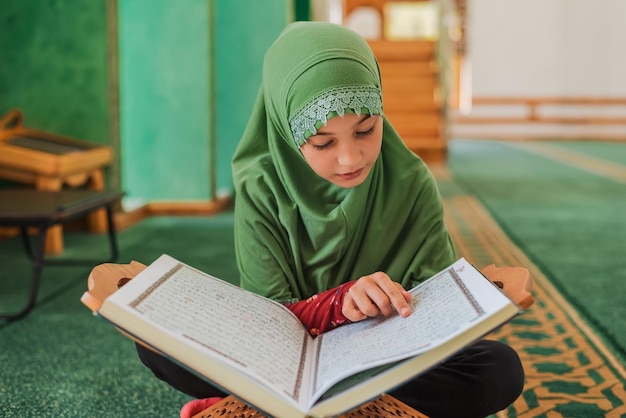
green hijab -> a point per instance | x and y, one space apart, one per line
296 234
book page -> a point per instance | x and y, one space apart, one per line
244 329
442 307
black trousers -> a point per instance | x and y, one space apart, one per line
481 380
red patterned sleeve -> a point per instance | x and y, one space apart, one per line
322 312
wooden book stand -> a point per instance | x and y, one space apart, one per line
106 279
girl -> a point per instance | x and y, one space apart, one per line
335 217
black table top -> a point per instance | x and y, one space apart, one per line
19 206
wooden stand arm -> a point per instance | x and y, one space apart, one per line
515 282
106 279
11 119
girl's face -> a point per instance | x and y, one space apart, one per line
345 149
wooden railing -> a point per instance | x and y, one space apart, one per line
532 106
590 115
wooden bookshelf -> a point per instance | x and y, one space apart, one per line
412 92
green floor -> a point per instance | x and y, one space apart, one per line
60 361
569 221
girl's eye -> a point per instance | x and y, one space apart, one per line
368 132
322 146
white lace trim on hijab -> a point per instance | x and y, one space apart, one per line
337 99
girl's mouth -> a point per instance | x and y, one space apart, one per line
352 175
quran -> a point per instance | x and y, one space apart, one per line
257 349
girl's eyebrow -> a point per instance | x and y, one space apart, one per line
362 119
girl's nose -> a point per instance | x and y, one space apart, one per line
349 155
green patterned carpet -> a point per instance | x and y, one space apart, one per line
557 209
563 207
569 372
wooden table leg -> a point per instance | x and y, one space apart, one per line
97 220
54 238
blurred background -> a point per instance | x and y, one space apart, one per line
518 106
169 85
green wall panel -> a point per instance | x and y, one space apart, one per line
189 71
164 98
54 66
244 29
302 9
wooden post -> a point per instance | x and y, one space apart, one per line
54 237
97 220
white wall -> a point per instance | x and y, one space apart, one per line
548 47
540 48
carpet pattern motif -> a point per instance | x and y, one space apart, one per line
569 372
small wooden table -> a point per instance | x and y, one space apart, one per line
42 210
50 162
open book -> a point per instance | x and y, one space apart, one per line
259 351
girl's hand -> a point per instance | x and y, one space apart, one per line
373 295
